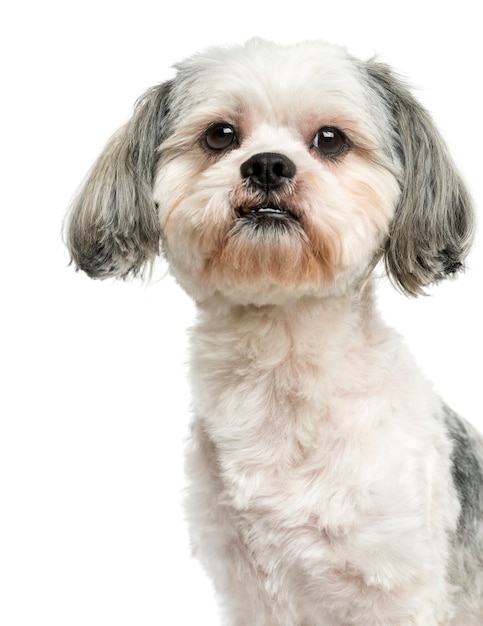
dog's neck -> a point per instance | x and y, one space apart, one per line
259 333
268 375
274 387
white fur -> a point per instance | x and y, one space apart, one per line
322 466
319 475
321 480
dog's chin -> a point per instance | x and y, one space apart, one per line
265 252
266 257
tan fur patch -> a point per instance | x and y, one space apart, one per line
280 253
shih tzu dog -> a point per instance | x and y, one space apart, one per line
329 483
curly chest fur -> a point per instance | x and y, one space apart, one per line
295 540
306 468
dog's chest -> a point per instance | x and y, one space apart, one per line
310 466
295 417
333 520
296 480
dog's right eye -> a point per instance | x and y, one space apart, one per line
220 136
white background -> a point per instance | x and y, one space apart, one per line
94 404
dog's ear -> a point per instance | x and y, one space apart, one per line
112 229
432 229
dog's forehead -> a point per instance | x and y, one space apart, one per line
272 79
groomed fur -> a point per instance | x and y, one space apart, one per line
329 484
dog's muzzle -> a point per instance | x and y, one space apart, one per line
267 172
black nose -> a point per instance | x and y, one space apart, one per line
268 170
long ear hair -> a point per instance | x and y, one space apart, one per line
433 226
112 228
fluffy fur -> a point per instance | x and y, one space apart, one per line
330 485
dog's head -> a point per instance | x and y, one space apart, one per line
267 172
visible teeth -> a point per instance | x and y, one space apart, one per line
269 209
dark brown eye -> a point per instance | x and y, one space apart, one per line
329 141
220 136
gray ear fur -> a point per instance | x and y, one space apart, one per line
112 229
433 226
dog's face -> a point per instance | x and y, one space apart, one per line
276 183
269 173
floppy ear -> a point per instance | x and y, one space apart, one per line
432 229
112 229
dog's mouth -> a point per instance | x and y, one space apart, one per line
267 214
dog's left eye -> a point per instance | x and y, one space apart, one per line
220 136
329 141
